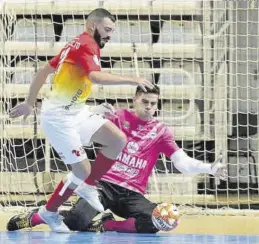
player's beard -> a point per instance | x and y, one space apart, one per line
98 39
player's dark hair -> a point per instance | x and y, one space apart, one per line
154 90
99 14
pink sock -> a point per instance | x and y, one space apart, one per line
126 226
36 220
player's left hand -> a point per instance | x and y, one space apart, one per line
105 109
22 109
219 169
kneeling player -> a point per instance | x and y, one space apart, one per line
121 189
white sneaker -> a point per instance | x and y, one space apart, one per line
53 219
91 195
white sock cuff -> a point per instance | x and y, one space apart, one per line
71 178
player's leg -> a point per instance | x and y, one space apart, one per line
137 211
83 217
100 130
32 218
115 200
113 141
107 197
66 141
64 190
79 216
97 223
141 210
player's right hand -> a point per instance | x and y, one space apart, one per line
219 169
143 83
22 109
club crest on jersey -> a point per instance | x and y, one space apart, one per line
125 125
96 60
132 147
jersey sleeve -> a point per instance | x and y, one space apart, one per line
168 145
54 62
116 117
88 59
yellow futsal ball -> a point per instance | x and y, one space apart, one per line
164 216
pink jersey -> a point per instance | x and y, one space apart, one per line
146 140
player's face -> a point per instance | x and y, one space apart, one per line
103 31
145 105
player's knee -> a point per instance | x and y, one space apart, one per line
76 222
118 142
144 224
81 170
146 228
79 216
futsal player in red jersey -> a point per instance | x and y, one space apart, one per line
65 119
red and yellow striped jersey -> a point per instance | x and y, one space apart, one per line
71 84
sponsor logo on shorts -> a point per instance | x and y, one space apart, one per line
78 152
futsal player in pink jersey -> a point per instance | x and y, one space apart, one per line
122 188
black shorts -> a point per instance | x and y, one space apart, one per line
121 201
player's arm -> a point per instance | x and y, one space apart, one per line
186 164
25 108
87 59
37 82
105 78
